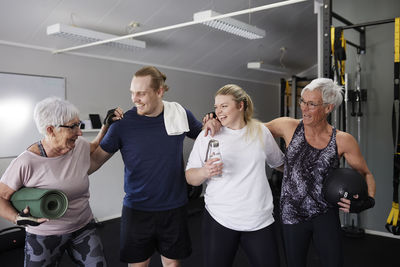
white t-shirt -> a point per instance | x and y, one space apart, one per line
241 199
67 173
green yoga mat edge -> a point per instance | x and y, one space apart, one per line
43 203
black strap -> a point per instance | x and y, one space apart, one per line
392 220
41 149
396 112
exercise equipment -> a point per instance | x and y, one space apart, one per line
339 53
344 183
356 97
42 203
392 220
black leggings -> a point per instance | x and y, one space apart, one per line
326 234
220 245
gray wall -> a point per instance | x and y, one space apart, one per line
96 85
377 77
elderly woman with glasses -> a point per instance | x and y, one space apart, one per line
313 148
61 161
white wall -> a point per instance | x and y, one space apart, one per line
96 85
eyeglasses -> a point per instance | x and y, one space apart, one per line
311 105
73 126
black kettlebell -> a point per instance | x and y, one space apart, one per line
344 183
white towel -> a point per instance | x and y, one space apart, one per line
175 118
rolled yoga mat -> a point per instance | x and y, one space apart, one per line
43 203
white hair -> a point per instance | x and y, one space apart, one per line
331 91
53 111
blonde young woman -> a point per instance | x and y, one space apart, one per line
238 203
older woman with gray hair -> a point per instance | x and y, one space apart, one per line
61 161
313 148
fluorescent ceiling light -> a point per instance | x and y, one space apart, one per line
75 33
230 25
184 24
259 65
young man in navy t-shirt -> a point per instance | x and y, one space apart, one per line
154 208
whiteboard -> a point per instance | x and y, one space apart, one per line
19 94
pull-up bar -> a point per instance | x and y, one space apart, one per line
372 23
360 28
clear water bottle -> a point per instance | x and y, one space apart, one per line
214 152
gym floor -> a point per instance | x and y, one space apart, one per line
369 251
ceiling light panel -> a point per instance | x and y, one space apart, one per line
267 68
85 35
230 25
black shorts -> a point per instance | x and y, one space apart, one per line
143 232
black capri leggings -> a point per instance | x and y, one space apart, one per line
324 230
220 245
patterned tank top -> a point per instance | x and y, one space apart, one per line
304 172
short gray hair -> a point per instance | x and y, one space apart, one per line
331 91
53 111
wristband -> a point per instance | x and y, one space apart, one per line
108 120
26 219
357 206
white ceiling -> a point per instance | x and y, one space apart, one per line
195 48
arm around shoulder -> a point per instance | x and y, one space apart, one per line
112 116
98 158
283 127
94 144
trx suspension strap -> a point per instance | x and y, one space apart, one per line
338 44
392 220
288 94
338 48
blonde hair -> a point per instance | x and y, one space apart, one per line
254 129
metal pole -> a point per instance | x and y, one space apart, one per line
365 24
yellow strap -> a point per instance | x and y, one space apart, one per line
288 90
288 93
394 214
332 39
343 41
342 63
397 40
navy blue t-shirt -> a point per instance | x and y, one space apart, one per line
154 172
